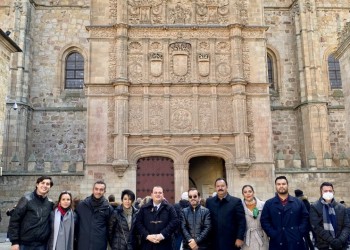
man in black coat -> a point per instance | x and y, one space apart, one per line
228 218
195 223
156 222
29 226
93 215
329 220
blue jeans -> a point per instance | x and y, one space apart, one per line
23 247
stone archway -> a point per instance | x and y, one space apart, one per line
203 171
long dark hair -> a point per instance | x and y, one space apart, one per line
60 196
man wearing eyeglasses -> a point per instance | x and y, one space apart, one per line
195 223
29 227
156 222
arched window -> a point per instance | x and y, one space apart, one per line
270 71
74 71
334 72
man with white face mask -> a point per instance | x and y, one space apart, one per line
329 220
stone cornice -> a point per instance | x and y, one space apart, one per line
8 42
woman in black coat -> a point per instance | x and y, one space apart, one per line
121 232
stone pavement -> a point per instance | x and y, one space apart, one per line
4 245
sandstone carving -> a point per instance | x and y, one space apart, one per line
180 63
203 64
156 64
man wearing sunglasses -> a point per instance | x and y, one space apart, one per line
195 223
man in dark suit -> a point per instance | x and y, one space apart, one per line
156 222
228 218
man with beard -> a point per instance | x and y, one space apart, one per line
228 218
285 218
196 223
29 227
329 220
93 215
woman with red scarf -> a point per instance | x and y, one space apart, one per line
62 224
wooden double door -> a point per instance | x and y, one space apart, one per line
155 171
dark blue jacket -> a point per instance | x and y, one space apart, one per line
92 225
163 221
285 225
228 221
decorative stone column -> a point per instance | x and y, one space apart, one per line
121 100
181 178
239 102
313 107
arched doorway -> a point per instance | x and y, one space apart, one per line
155 171
203 171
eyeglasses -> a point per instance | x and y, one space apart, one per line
194 196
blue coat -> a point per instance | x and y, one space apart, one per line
228 221
285 225
163 221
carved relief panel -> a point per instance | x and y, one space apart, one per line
180 11
135 60
156 114
181 115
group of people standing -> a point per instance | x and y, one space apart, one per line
224 223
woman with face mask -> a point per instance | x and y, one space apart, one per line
62 224
255 237
121 232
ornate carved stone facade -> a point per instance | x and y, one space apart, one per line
183 80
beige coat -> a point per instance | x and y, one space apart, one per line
255 238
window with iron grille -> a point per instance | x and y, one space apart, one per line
334 72
74 78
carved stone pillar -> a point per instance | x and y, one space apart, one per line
145 110
237 53
195 122
121 88
122 53
313 107
181 179
214 109
242 160
120 162
230 176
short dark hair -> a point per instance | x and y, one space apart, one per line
128 193
111 198
326 184
44 177
220 179
194 189
250 186
101 182
282 177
